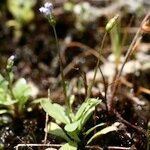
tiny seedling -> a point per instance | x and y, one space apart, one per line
13 96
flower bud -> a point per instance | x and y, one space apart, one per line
47 10
10 63
51 20
111 23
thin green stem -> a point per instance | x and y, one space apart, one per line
105 88
61 68
96 68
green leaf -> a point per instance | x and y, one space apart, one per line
3 90
55 111
3 82
69 146
37 101
93 128
74 136
71 126
56 130
8 102
81 110
2 96
85 117
102 132
72 130
21 91
91 102
5 98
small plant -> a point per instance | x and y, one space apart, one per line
13 96
73 122
47 10
68 123
70 126
22 13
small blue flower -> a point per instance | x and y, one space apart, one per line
47 9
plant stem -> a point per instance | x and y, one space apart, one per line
129 51
61 67
96 68
105 88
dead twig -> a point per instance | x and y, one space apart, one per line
38 145
46 121
87 52
87 147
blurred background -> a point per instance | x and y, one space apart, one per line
25 33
